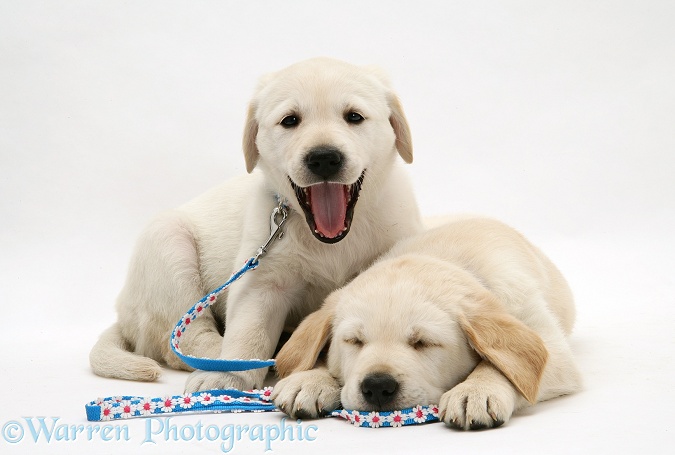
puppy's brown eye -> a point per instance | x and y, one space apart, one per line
354 341
354 117
290 121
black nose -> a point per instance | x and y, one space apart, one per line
379 389
324 161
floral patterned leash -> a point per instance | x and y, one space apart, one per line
277 220
232 400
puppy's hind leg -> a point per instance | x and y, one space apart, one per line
111 358
201 340
164 281
561 376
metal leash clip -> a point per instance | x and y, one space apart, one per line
277 220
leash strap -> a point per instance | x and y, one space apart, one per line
199 308
277 220
377 419
228 400
232 400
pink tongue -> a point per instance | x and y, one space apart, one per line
329 207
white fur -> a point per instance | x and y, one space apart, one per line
408 316
191 250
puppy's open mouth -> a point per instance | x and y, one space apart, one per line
329 207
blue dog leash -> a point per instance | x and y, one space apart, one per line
277 220
233 400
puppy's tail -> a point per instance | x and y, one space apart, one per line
110 357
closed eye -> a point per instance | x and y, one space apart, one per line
354 341
420 344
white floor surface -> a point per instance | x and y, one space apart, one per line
558 119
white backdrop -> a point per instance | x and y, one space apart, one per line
557 118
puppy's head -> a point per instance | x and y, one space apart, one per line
409 329
322 130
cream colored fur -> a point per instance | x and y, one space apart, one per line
468 315
189 251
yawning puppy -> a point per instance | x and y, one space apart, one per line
323 137
468 315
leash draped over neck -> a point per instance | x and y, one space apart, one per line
233 400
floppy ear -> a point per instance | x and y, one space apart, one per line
508 344
401 129
302 350
396 118
251 153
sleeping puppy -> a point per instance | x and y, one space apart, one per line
468 315
324 137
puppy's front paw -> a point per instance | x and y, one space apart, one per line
476 406
210 380
307 394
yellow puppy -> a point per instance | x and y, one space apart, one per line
468 315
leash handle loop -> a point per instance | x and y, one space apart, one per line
277 220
